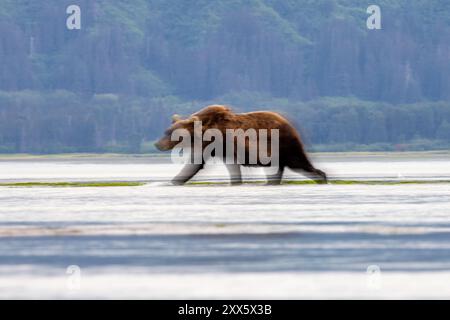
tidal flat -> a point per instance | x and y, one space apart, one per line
134 235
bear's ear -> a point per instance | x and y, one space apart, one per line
189 121
194 118
176 118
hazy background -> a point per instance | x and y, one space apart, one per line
112 86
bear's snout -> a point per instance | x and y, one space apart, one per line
160 146
164 144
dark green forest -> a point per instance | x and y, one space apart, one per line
112 85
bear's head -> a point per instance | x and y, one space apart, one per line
166 143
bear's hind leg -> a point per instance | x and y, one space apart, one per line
235 174
275 179
315 174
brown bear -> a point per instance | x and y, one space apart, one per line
291 152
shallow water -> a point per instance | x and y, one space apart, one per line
380 166
162 241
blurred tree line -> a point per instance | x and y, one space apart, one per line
112 85
61 121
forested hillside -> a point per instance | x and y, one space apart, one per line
112 85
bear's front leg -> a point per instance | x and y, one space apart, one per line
187 173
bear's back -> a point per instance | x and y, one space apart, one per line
218 115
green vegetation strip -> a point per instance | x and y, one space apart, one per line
72 184
372 182
337 182
212 183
